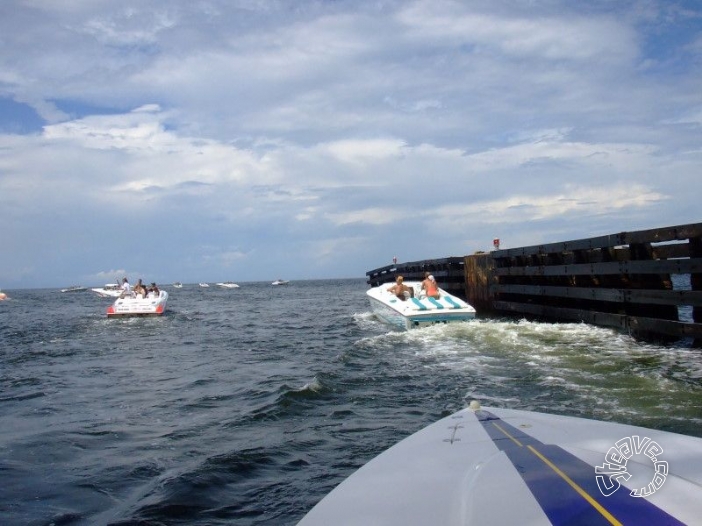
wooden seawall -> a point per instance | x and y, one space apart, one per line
648 282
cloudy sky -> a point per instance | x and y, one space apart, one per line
248 140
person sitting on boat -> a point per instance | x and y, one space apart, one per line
401 290
140 289
430 287
154 290
126 288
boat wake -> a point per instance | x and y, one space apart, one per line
570 368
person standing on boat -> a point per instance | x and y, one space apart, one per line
430 287
399 289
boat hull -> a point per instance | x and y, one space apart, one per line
492 466
228 285
418 311
134 306
74 288
108 291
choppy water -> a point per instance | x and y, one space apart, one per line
247 406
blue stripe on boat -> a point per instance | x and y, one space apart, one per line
537 463
452 302
419 304
436 303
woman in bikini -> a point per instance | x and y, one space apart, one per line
430 287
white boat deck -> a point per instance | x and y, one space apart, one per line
494 467
445 302
418 310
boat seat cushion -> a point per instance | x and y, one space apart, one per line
444 302
436 303
451 302
418 305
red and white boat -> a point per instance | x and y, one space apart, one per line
138 305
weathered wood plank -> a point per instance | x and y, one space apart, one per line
566 246
656 297
656 235
696 277
671 266
670 233
585 293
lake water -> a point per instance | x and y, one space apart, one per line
247 406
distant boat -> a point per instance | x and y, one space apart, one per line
280 282
111 290
228 285
178 285
74 288
204 285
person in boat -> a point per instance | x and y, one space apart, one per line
154 290
399 289
139 288
126 288
430 287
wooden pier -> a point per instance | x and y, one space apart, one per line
647 283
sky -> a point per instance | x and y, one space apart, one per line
250 140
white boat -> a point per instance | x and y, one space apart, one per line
204 285
495 467
280 282
138 305
178 285
110 290
3 296
74 288
417 310
228 285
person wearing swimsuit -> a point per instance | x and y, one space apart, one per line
430 287
399 288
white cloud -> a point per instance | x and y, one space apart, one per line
261 131
586 155
371 216
130 26
580 201
361 151
554 38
